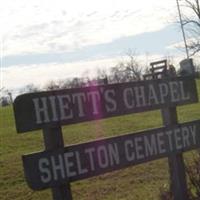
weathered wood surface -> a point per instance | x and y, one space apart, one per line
75 162
55 108
53 140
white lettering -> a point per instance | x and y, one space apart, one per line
95 99
81 170
169 134
140 96
57 167
102 156
112 106
90 152
69 164
174 91
53 107
152 95
128 98
185 135
184 96
41 110
65 111
193 131
150 145
138 148
163 88
130 156
177 138
113 154
44 168
80 98
161 143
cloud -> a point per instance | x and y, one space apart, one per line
156 42
16 77
58 26
45 35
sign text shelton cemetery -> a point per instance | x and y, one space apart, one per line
76 162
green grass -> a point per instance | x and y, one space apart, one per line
140 182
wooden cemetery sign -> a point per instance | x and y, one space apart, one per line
158 68
47 109
58 166
76 162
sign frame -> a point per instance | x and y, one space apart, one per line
118 147
35 111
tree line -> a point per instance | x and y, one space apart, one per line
130 69
124 71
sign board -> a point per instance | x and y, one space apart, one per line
187 67
76 162
55 108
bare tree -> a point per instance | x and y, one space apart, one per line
117 73
128 70
51 85
29 89
76 82
133 68
191 23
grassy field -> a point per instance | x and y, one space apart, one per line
140 182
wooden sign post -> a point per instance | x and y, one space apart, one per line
53 140
178 185
58 166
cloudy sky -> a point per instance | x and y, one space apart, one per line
45 40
